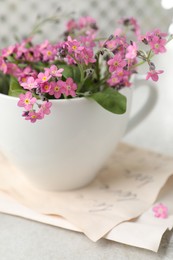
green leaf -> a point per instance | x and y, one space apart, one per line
15 89
4 84
71 72
111 100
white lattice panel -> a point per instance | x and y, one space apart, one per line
18 16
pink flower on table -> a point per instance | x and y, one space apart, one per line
33 116
153 74
131 51
30 83
43 77
116 62
54 71
57 88
26 100
69 88
160 211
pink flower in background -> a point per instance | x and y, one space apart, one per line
86 56
8 51
30 83
26 100
70 87
73 46
3 66
157 44
43 77
113 80
131 51
71 25
153 74
116 62
160 211
54 71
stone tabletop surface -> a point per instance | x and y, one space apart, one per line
22 239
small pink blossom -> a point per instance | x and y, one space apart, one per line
113 80
86 21
45 108
54 71
116 62
30 83
49 53
70 87
33 116
43 77
153 74
57 88
26 100
86 56
131 51
8 51
3 66
20 49
45 87
71 25
160 211
157 45
73 46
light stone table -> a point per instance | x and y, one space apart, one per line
27 240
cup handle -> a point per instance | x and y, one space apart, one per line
140 80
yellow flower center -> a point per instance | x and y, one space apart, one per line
46 87
56 89
49 53
74 47
23 79
114 80
116 63
27 101
44 78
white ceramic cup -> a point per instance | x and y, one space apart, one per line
67 149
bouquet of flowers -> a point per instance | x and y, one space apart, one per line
78 65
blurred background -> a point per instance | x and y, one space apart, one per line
17 18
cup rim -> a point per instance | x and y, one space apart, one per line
73 99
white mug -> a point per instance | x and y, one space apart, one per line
67 148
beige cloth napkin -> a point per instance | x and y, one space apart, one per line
127 187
